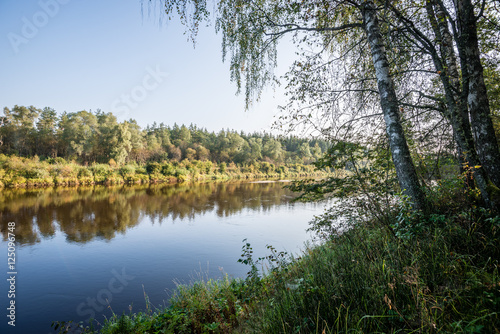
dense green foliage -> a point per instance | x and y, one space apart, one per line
17 172
40 148
98 137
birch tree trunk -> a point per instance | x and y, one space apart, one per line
405 170
477 98
457 114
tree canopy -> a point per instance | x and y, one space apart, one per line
98 137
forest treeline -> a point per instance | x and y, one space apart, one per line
40 148
89 137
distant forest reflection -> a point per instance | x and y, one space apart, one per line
87 213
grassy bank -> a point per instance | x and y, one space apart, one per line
405 273
18 172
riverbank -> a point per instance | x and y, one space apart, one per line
18 172
407 273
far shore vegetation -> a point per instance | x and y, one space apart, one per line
38 147
18 172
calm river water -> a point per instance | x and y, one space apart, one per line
78 247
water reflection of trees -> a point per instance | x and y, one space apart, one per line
87 213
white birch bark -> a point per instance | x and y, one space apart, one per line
477 98
405 169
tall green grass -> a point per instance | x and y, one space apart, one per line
367 281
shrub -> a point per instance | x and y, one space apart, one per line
101 172
15 164
141 170
267 168
14 181
167 169
181 173
127 170
3 159
153 168
207 167
84 172
56 161
282 170
36 172
65 171
85 176
222 167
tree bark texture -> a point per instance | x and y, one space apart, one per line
477 98
457 113
401 157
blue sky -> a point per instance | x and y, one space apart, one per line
76 55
